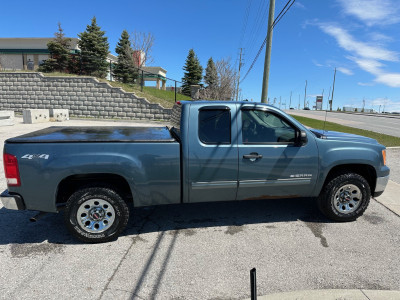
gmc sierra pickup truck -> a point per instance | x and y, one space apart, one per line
212 151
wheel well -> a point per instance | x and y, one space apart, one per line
366 171
70 184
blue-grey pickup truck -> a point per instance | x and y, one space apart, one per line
212 151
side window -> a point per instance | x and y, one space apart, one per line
263 127
215 126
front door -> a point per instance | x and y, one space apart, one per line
271 163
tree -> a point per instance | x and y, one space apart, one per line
142 42
193 72
211 77
227 78
224 89
125 70
94 50
59 50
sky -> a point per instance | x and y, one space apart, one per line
360 38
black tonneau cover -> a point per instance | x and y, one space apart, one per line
57 134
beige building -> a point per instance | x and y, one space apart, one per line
157 74
29 53
26 53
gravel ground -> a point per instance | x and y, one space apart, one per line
199 251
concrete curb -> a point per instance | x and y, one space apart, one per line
390 197
334 295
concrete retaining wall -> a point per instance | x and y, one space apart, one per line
83 96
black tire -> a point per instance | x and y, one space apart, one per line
96 214
345 197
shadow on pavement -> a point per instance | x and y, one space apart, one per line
17 229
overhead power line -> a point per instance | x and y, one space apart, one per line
276 21
278 18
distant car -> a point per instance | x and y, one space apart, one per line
291 108
306 108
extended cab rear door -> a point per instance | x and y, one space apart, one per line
271 162
213 153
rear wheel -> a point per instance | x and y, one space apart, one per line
96 214
345 197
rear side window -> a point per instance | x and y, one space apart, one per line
215 126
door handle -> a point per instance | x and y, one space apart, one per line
252 156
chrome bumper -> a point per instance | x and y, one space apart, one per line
12 201
380 186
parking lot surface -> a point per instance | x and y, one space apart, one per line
199 251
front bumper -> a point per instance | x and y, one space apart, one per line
12 201
380 186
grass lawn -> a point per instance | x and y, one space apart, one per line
384 139
153 95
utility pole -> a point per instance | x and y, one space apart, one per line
290 101
298 107
305 94
238 80
363 105
267 60
333 89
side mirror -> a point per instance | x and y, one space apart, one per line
302 138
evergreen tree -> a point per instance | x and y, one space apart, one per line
59 50
193 72
94 50
211 77
125 70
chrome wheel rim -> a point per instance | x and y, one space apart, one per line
95 215
347 199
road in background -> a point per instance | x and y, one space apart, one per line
382 124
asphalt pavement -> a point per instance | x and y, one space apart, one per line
386 124
204 251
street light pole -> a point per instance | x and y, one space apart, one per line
267 61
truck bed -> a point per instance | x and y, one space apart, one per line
104 134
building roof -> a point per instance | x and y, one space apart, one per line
31 43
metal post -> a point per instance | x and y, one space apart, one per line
290 101
305 94
142 82
267 61
110 72
175 90
253 284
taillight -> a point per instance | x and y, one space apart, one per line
11 170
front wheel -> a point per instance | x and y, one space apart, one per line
345 197
96 214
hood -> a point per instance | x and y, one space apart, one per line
341 136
